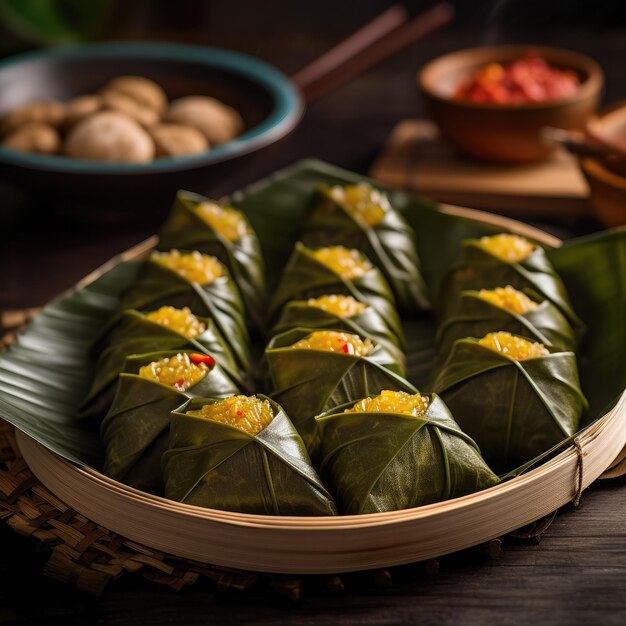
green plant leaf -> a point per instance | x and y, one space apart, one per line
390 245
135 430
305 277
479 269
184 229
368 323
134 334
47 372
54 21
309 382
157 285
475 317
515 411
387 461
217 466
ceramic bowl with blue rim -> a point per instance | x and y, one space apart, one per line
266 99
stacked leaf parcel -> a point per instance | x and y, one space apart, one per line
174 378
506 339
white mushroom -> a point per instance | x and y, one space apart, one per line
110 136
51 113
177 140
218 122
80 107
143 90
34 137
115 101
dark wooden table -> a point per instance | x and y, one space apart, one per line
576 574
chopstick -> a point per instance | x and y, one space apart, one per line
386 35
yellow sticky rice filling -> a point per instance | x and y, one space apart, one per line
341 306
508 248
227 221
393 402
517 348
343 261
509 299
334 341
362 201
182 321
247 413
193 266
177 371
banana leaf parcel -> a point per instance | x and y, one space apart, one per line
361 217
478 268
226 235
308 382
307 277
514 409
135 334
216 465
383 461
366 322
475 317
136 428
219 300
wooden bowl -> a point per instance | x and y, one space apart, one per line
607 192
506 133
268 102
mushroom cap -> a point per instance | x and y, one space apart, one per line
117 101
34 137
50 112
110 136
177 140
80 107
143 90
217 121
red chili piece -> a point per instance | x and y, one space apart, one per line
197 358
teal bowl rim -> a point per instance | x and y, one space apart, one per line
287 112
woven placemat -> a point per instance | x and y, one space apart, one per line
89 557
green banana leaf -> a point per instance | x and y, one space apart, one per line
135 430
185 230
134 334
367 323
514 410
379 462
45 375
309 382
214 465
479 269
305 277
475 317
157 285
390 244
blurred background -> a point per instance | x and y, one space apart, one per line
348 127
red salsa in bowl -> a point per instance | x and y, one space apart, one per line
525 80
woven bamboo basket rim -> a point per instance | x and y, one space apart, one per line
327 545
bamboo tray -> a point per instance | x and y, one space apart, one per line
309 545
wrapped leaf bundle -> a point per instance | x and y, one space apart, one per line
397 451
197 223
199 282
136 428
501 260
515 397
241 454
340 312
505 308
315 371
361 217
336 270
165 329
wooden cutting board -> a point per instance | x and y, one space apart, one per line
415 158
